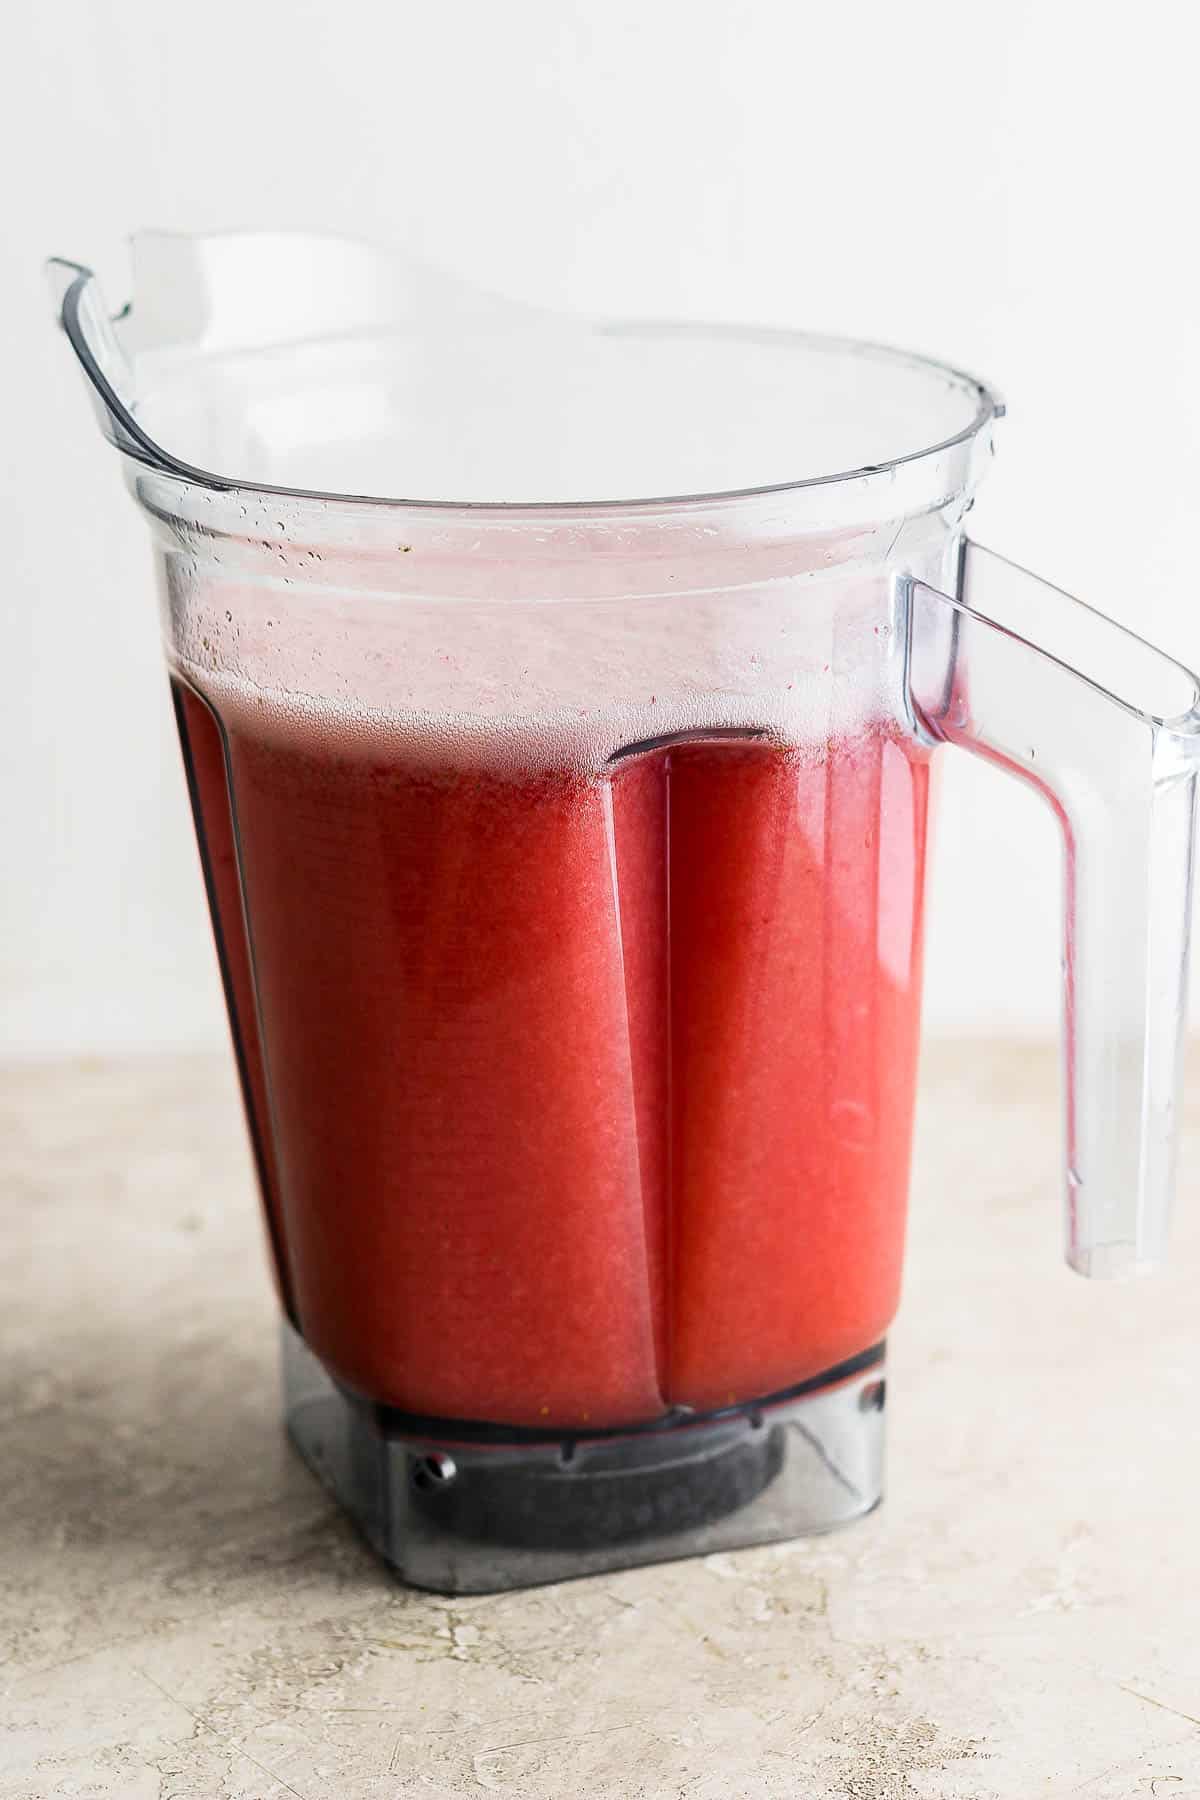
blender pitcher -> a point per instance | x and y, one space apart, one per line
558 703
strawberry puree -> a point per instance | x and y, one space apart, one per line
589 1094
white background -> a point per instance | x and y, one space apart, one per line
1009 186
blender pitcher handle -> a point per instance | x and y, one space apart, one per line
1108 730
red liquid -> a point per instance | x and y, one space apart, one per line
204 760
589 1095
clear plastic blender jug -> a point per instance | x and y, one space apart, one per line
558 703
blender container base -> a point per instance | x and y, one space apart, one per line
462 1509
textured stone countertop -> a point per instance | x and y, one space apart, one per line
184 1616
